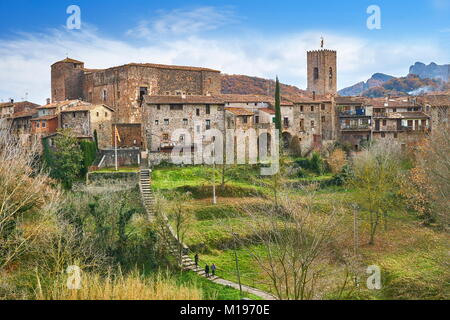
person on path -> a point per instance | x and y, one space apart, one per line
196 261
213 270
207 271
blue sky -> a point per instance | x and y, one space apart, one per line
259 38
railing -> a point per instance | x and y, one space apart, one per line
359 112
357 127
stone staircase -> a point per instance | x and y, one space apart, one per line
179 249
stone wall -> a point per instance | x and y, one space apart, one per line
326 63
126 157
160 122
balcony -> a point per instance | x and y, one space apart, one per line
353 113
356 127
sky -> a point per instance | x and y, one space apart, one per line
255 38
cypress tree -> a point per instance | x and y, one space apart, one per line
278 124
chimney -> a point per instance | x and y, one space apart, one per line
48 100
314 95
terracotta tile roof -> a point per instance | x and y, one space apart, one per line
49 117
240 111
395 103
406 115
350 100
62 104
24 114
438 100
245 98
183 100
68 60
84 107
267 110
161 66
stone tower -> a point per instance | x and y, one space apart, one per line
67 80
322 71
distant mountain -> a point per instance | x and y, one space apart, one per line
433 77
431 71
375 81
240 84
409 85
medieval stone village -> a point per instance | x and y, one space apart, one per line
95 203
148 102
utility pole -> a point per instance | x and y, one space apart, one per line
237 269
115 148
355 229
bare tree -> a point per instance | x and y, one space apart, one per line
290 244
376 173
25 193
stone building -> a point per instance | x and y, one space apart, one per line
354 121
163 115
437 107
124 87
90 121
322 71
314 122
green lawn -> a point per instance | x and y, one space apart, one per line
413 258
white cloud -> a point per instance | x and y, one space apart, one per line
25 62
181 22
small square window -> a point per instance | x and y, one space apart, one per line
166 122
156 122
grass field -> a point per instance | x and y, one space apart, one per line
413 258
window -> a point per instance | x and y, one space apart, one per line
185 122
395 135
156 122
142 92
104 95
197 112
394 109
118 94
198 129
44 124
98 114
106 114
208 124
182 138
330 73
312 124
208 109
312 108
245 119
301 108
256 119
158 107
286 121
316 73
322 106
166 122
37 124
384 122
74 114
176 107
323 119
